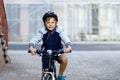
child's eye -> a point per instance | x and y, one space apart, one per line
53 22
47 22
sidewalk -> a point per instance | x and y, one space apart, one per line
83 65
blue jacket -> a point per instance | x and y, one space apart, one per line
51 40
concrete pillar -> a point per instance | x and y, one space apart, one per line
24 25
103 22
72 23
66 18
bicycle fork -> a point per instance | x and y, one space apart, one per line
51 73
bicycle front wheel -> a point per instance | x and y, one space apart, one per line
48 77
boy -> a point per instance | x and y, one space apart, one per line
52 35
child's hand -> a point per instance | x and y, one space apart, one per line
33 50
67 49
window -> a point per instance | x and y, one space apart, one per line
13 17
35 16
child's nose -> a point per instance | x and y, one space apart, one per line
50 24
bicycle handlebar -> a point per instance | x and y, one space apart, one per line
38 51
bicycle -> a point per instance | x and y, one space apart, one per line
50 72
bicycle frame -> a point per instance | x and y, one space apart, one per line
50 73
52 68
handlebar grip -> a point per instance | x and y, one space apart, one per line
60 51
29 51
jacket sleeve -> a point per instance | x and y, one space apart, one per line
64 37
36 39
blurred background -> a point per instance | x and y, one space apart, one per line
92 25
82 20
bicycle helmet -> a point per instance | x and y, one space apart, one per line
49 14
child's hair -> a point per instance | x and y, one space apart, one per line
49 14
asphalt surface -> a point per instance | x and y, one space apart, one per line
90 65
86 62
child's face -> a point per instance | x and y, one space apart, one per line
50 23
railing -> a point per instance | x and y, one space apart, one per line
4 58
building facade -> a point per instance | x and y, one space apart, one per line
82 20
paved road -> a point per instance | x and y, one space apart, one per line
90 65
